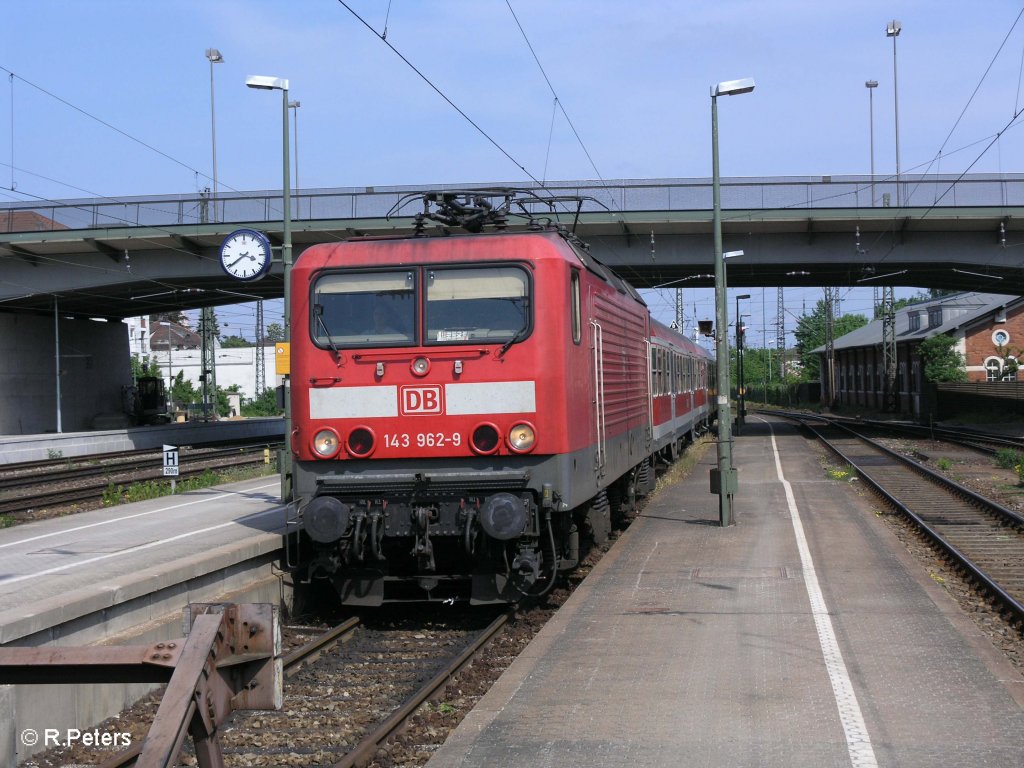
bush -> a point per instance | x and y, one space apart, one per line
1007 458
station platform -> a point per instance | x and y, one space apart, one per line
17 448
122 575
804 636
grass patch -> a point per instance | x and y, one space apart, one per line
6 521
845 474
152 489
682 466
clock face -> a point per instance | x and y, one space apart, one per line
245 254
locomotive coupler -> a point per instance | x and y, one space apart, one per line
527 564
423 549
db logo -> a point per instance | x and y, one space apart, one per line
421 400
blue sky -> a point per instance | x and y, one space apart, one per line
112 97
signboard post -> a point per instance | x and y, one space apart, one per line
171 463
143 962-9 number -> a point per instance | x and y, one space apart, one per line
422 440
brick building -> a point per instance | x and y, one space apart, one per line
988 329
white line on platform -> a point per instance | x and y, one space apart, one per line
203 500
858 742
132 550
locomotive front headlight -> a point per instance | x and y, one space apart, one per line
522 437
326 443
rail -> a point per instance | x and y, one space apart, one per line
982 537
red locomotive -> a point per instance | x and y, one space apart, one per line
467 407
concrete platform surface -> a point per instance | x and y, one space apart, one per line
55 571
804 636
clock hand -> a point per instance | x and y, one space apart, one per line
243 256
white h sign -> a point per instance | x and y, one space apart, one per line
170 461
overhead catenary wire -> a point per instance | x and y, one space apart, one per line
12 76
440 93
558 101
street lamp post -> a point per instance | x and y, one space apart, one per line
871 85
294 107
740 399
214 57
893 30
261 82
723 478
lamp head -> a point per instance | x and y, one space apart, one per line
871 84
267 83
893 29
733 87
731 254
214 56
743 296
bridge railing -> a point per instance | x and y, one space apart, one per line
767 194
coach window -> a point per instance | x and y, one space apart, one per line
577 326
474 304
364 309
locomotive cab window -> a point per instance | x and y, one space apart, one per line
364 308
476 304
574 299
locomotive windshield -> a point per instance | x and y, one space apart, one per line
372 308
462 304
479 303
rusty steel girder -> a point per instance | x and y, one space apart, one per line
229 659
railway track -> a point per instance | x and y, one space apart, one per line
56 470
56 483
349 690
988 443
982 537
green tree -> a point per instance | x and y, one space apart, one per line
941 360
275 333
810 334
183 391
145 366
264 405
229 342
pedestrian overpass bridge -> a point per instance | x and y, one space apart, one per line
135 256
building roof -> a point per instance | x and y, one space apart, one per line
27 221
959 310
178 336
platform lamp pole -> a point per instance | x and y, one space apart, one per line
723 478
280 84
893 29
740 399
214 56
871 85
